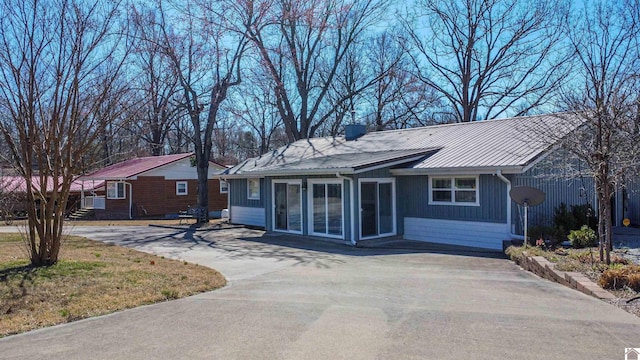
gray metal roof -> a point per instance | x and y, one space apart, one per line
491 144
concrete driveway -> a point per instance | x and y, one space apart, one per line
294 298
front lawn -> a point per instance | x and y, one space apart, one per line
92 278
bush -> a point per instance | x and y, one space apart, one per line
584 215
563 222
585 237
566 219
621 277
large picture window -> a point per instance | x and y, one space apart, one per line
253 189
454 190
115 190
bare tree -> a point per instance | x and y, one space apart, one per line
605 37
399 99
255 110
301 45
204 52
157 84
488 57
59 60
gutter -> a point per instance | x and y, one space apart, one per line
352 197
457 170
509 222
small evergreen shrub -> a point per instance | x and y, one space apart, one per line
566 219
585 237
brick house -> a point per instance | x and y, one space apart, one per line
157 186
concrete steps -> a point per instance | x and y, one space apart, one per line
82 214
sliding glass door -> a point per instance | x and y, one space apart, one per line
377 208
325 204
287 197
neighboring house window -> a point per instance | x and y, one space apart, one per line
115 190
454 190
181 188
224 187
253 189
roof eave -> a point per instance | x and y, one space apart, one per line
298 172
511 169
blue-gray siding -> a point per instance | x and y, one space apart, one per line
577 191
238 193
413 201
631 205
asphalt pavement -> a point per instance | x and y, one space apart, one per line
296 298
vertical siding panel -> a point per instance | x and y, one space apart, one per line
413 193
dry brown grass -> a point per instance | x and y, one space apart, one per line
92 278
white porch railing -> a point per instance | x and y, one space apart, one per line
93 202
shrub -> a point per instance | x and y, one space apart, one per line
584 215
619 277
563 222
540 232
613 279
585 237
566 219
633 281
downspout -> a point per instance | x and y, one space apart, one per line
130 199
352 197
508 182
228 197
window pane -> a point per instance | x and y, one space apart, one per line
112 190
254 188
465 196
293 207
319 209
334 213
121 190
443 196
280 202
385 208
466 183
442 183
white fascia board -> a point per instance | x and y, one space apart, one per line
457 171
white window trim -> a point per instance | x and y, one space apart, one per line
310 184
227 187
186 188
453 188
394 215
117 183
249 189
273 205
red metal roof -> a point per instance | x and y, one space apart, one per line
18 184
130 168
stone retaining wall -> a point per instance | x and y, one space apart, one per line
575 280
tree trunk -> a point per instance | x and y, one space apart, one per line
203 188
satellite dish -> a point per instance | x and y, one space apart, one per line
526 196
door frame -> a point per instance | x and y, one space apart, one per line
273 205
391 181
310 183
